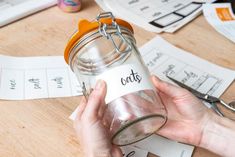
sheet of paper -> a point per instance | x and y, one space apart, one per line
156 16
205 1
163 58
102 5
36 77
221 17
130 151
183 22
11 10
164 147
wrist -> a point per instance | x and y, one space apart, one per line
209 131
218 135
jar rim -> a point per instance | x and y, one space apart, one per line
90 37
85 27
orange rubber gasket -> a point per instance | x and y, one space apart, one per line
85 27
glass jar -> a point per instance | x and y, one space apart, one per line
106 49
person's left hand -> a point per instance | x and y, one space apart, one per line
94 137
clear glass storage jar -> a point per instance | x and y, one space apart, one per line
106 49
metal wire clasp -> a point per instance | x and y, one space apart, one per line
103 31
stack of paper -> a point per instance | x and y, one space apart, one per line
11 10
155 16
221 17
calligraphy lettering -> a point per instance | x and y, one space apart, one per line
133 2
58 81
35 82
132 153
133 77
12 84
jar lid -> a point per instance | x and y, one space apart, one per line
85 27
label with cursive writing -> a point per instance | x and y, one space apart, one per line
125 79
131 151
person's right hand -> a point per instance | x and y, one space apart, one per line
187 116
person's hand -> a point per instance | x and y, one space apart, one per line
93 136
189 121
187 116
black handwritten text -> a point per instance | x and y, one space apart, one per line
133 77
132 153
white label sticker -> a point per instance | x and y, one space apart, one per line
130 151
125 79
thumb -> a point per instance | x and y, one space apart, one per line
116 151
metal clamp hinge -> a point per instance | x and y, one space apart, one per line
103 31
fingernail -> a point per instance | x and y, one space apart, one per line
154 77
99 84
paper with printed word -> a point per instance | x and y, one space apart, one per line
155 16
163 147
162 58
130 151
36 77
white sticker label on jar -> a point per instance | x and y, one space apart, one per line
125 79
